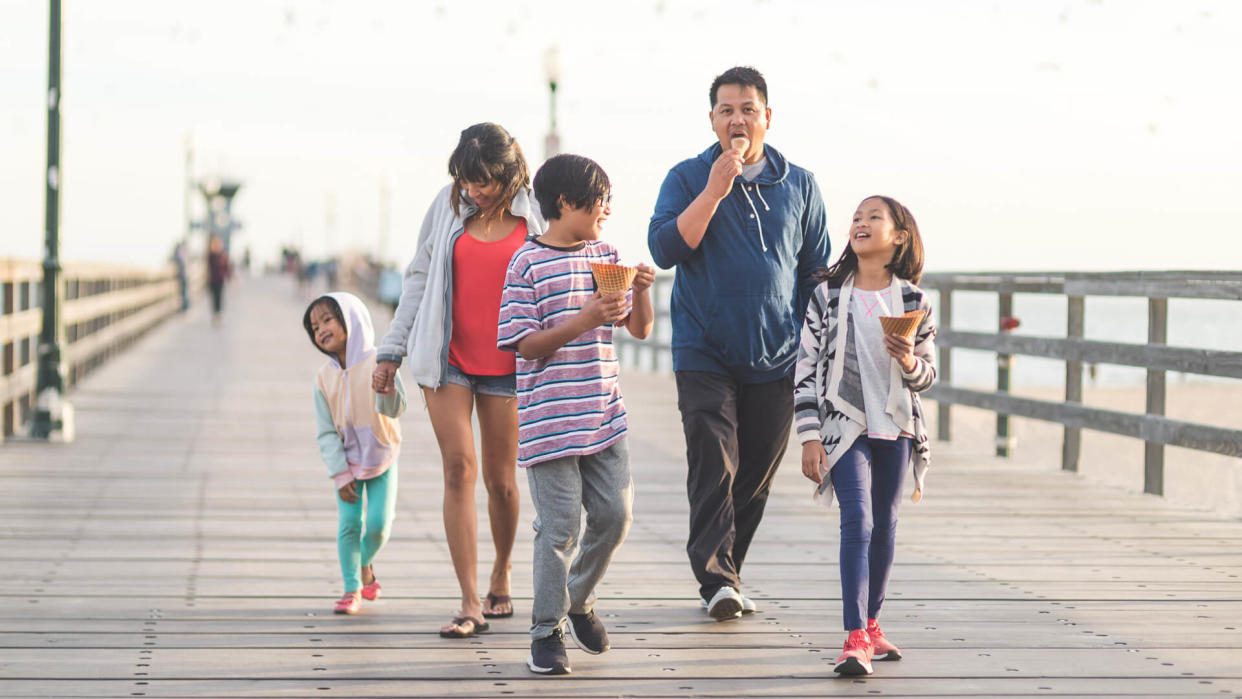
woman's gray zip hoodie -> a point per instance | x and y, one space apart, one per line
422 326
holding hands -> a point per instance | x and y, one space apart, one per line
382 381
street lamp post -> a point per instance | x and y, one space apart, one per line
552 66
53 417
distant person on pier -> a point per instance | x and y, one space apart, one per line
445 329
745 229
179 261
218 272
867 351
359 439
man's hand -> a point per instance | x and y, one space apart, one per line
727 167
603 309
382 380
348 493
813 458
644 278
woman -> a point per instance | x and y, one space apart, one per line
445 326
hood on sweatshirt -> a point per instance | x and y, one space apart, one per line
359 332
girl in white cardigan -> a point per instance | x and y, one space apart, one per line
857 408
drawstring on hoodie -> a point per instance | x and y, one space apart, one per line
758 220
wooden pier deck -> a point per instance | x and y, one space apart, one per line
184 546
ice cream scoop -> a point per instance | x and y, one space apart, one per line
740 143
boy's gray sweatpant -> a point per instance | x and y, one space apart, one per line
561 489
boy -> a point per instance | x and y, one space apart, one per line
571 436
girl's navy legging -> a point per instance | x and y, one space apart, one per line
868 480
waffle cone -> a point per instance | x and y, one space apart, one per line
905 325
612 278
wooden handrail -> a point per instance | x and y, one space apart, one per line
106 308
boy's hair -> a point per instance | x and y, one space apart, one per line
581 181
487 153
740 75
907 261
333 307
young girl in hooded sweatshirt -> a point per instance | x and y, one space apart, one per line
857 406
359 438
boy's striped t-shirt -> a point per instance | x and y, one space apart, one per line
569 403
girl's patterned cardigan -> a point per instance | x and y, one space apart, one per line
828 396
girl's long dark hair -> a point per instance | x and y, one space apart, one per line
487 153
907 261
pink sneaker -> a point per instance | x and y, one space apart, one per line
349 604
883 650
372 591
856 658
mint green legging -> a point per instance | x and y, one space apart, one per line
357 545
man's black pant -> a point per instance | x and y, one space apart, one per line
735 437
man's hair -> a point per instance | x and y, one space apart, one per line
487 153
581 181
907 262
744 76
333 307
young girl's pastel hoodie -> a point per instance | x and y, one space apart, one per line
828 394
359 436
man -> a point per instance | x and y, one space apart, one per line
745 229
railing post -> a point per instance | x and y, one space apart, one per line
1004 441
945 375
1153 453
1071 445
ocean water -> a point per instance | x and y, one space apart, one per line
1193 324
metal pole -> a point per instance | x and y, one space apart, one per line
51 414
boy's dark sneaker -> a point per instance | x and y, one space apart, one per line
588 632
547 655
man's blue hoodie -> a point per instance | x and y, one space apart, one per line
738 299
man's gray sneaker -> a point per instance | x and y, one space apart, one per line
588 632
547 655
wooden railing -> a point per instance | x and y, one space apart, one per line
1156 356
106 308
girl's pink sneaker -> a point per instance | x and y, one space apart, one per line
884 649
349 604
372 591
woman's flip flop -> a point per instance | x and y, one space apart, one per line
495 600
477 626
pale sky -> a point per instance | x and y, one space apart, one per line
1084 134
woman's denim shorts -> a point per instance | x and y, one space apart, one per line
504 386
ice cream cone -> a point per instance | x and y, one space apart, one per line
612 278
905 325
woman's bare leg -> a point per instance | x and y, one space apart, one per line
449 408
498 423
